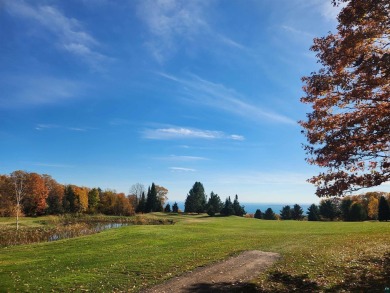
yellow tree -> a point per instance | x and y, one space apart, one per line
19 181
162 194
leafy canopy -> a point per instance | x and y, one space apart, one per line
348 130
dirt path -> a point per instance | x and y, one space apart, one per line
225 276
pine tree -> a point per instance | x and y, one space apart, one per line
196 199
175 208
167 208
258 214
214 204
141 207
357 212
345 207
239 210
297 212
383 209
269 214
228 209
285 213
313 213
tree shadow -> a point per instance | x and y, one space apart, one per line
290 283
364 279
223 287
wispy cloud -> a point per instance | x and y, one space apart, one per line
174 22
223 98
42 127
19 91
181 169
69 32
184 158
295 31
187 133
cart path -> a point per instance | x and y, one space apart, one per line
227 273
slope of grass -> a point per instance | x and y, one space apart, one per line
315 255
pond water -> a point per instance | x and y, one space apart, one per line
91 228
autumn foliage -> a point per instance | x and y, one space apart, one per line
348 130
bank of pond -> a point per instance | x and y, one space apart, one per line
57 228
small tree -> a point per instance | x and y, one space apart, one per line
269 214
196 199
258 214
141 207
357 212
285 213
228 209
297 212
239 210
175 208
313 213
383 209
167 208
345 207
19 179
214 204
328 209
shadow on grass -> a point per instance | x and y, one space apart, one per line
370 275
223 287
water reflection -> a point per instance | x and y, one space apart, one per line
89 229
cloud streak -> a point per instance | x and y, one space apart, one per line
38 90
223 98
181 169
69 32
187 133
172 23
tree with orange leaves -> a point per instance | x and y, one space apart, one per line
348 130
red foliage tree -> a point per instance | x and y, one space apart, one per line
348 131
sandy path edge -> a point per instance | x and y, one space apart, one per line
241 268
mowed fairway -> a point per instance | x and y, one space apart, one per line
315 255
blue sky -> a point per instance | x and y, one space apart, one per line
111 93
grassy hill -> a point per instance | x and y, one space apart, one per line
315 255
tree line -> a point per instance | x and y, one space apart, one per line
197 202
367 206
32 194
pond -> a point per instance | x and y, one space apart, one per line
9 236
90 228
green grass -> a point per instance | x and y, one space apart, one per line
316 256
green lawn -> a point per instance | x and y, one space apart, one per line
316 256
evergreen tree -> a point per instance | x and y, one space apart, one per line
328 209
214 204
383 209
175 208
196 199
167 208
141 207
345 207
269 214
239 210
313 213
285 213
93 200
153 204
258 214
228 209
357 212
297 212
